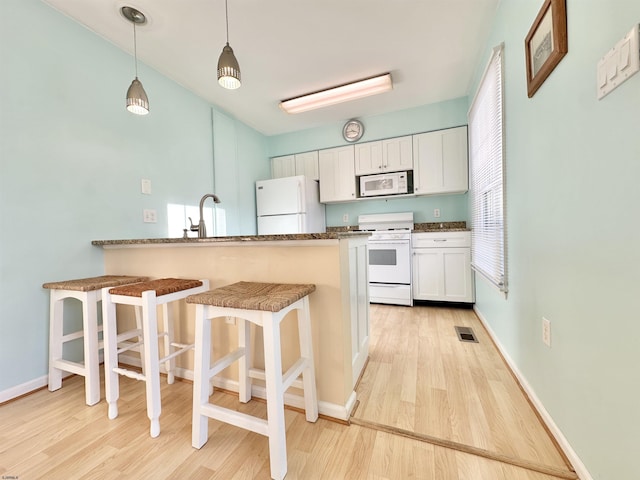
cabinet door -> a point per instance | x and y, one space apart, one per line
440 162
307 164
428 276
458 284
337 174
397 154
284 166
442 274
359 303
368 158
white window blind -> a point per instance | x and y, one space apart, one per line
486 159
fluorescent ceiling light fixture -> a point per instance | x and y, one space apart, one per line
343 93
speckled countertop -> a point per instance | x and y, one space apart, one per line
238 238
440 227
417 227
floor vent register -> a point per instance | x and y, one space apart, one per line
465 334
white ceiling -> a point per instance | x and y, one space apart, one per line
286 48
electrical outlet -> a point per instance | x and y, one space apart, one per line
546 332
436 213
345 218
149 216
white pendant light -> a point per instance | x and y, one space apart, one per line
228 68
137 101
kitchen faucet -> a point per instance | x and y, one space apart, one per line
201 228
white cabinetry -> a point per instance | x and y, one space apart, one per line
284 166
440 162
337 174
442 267
299 164
355 294
390 155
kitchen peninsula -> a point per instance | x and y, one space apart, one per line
335 262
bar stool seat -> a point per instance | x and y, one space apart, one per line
147 296
89 292
265 305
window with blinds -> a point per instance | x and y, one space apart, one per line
486 165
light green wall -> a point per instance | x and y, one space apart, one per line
71 161
451 113
572 165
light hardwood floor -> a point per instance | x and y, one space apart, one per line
422 379
54 435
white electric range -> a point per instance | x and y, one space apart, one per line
389 257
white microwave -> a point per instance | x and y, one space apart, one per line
395 183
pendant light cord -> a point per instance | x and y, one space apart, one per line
226 11
135 48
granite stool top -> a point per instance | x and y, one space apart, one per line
162 286
93 283
270 297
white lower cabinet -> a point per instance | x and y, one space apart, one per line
442 267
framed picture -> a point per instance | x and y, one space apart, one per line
546 43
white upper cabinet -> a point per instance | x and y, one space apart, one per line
283 166
440 162
299 164
397 154
390 155
368 158
337 174
307 165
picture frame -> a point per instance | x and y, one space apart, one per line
546 43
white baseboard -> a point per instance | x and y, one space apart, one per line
27 387
577 464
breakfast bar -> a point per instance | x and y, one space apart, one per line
335 262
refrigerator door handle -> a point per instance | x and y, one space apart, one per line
300 199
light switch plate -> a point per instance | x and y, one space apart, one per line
145 185
619 64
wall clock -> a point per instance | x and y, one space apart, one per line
353 130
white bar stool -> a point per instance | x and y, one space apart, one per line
265 305
147 295
89 292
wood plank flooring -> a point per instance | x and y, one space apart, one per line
54 435
421 379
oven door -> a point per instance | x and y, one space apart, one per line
389 261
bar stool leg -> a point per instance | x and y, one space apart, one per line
170 365
306 351
110 342
151 364
245 362
275 395
138 313
201 380
90 340
56 312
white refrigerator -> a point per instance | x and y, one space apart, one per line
289 205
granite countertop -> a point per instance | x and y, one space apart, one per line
417 227
441 227
238 238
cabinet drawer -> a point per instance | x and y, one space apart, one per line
441 240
